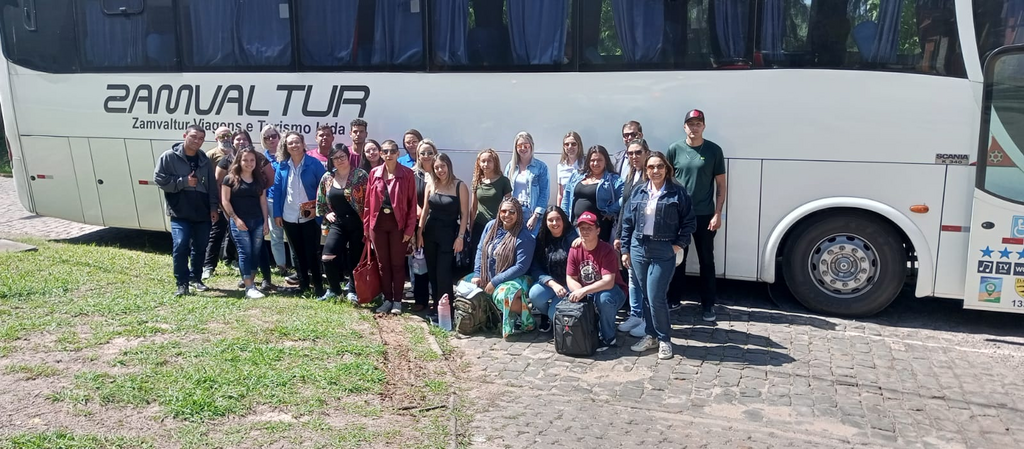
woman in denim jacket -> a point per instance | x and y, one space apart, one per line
530 182
595 188
655 228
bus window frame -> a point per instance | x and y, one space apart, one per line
985 131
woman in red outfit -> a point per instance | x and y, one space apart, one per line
389 218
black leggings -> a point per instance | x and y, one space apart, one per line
437 248
305 241
345 242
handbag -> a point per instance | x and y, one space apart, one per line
366 275
307 209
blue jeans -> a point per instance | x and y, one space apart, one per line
654 263
544 300
249 243
608 303
276 238
636 296
189 240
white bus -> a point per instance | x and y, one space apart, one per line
868 143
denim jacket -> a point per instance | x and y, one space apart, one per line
676 221
609 190
525 245
310 175
540 184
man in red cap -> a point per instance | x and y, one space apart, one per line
593 270
700 167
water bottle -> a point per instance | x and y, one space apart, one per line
444 313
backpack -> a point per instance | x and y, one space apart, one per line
475 313
575 328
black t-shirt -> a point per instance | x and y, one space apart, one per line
193 161
225 162
245 200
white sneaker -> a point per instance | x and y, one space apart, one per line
353 298
384 308
207 274
664 350
396 308
648 342
639 331
252 293
630 324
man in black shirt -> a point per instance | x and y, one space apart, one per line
186 176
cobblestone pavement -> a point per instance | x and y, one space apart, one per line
923 373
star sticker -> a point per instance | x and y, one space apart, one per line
987 252
1005 253
1020 254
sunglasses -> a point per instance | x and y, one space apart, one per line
389 151
635 153
630 135
656 167
430 154
272 136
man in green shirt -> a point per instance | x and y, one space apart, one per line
700 167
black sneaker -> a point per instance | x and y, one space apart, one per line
292 280
182 290
267 286
199 286
601 347
545 324
709 316
673 306
241 284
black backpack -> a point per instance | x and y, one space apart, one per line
475 313
575 328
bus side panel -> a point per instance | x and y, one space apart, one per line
90 197
791 184
159 147
52 177
113 181
954 247
147 194
743 206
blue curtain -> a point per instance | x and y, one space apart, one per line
887 36
213 33
327 32
537 30
640 25
731 27
773 31
264 36
398 33
113 40
1015 12
451 28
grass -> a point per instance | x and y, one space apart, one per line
63 439
33 371
5 162
196 361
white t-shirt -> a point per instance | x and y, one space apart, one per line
651 210
295 194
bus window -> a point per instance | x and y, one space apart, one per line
124 34
501 34
327 32
236 33
398 33
1004 159
998 23
918 36
40 35
655 34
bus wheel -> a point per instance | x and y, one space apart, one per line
845 264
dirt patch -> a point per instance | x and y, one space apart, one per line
405 373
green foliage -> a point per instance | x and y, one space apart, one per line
62 439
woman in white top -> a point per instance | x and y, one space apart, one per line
570 161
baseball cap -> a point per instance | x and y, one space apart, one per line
694 113
587 217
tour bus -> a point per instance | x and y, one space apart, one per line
870 144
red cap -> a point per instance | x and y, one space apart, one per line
587 217
694 113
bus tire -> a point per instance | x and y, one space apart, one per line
845 264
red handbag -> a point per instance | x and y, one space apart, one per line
366 275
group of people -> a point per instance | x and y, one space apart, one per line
619 230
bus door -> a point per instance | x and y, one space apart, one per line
995 265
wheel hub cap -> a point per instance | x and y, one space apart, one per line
843 265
